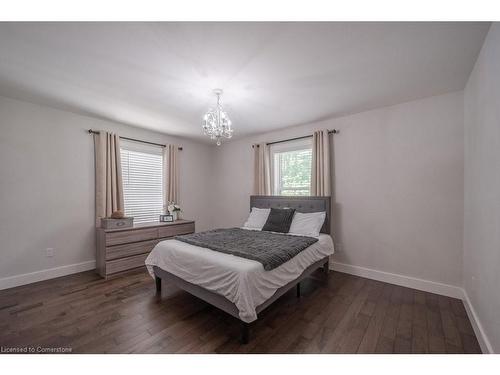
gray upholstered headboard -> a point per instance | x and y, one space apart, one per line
301 204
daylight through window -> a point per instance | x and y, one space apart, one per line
291 167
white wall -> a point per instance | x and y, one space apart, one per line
398 201
482 188
47 185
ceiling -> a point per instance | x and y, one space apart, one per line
161 75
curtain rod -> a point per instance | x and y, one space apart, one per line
135 140
334 131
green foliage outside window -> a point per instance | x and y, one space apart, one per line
295 172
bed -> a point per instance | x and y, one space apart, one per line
239 286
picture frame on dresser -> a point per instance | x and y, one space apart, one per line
167 218
124 249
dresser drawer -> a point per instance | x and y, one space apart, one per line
118 238
124 264
175 230
129 249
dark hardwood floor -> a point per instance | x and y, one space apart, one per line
344 314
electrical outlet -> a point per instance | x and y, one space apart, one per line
338 247
49 252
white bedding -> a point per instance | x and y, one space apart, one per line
242 281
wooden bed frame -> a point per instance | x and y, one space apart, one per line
301 204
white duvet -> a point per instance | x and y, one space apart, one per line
242 281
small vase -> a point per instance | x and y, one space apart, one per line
174 214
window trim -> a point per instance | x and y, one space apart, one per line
277 148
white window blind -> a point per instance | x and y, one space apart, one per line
291 164
142 172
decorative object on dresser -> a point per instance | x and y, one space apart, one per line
119 214
174 209
117 220
126 222
123 249
166 218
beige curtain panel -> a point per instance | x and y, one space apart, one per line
108 175
321 174
171 173
262 169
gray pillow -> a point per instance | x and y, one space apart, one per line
279 220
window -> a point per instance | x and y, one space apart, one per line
291 167
142 172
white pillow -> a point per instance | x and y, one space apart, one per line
307 224
257 218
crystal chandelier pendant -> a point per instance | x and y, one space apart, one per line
216 122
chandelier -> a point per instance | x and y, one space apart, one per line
216 122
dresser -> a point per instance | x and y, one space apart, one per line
120 250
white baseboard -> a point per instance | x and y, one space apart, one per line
406 281
484 342
33 277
